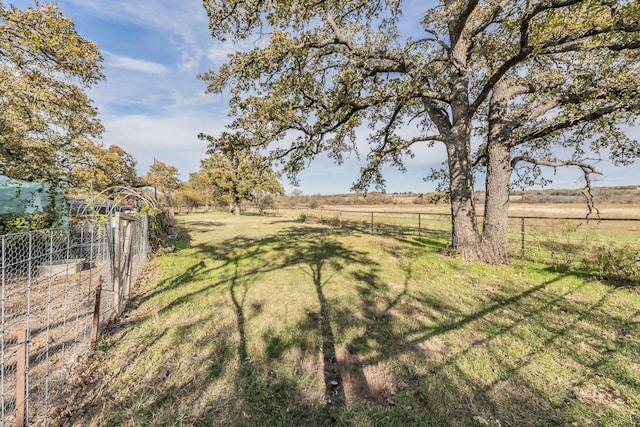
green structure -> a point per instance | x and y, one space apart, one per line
30 205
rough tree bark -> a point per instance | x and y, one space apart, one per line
495 236
464 232
495 242
465 237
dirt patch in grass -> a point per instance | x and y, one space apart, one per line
372 384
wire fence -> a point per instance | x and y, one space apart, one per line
60 287
594 245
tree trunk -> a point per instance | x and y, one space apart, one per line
464 231
495 232
235 197
455 126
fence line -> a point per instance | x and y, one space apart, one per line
548 240
60 287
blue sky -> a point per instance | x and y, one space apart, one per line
152 105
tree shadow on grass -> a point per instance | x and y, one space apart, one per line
512 397
311 250
262 395
314 256
393 353
549 328
267 398
170 283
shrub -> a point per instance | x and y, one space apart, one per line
611 262
161 225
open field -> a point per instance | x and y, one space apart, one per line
574 210
560 210
278 322
560 236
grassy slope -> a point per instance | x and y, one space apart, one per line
264 321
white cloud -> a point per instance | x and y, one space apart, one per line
172 140
158 14
134 64
189 61
184 25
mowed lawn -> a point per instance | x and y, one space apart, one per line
271 321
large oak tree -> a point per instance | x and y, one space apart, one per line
163 177
48 125
541 83
110 167
236 170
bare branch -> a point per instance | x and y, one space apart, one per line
339 37
587 171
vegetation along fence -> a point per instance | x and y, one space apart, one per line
60 287
602 247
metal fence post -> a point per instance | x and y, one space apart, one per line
522 237
117 267
371 222
419 227
145 234
21 379
126 268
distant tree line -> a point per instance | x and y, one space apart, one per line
189 198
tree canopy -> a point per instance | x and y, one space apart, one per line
48 125
236 169
162 177
109 167
540 83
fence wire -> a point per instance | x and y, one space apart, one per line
603 247
49 280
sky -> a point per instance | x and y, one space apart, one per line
153 106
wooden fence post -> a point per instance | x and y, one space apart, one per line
419 227
95 328
21 379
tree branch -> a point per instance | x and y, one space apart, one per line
339 37
462 21
570 122
587 171
490 19
524 49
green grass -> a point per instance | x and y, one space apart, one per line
258 321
